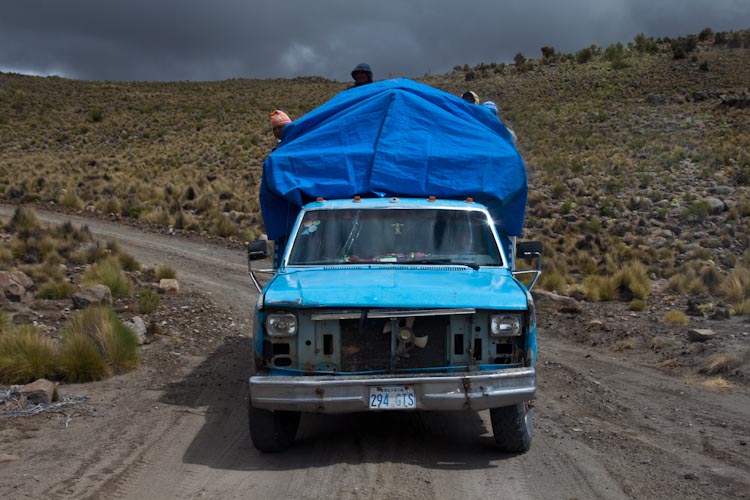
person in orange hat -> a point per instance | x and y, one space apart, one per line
279 119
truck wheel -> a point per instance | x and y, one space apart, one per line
272 431
512 426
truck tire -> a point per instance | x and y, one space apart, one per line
512 427
272 431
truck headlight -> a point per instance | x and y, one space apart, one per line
505 325
281 325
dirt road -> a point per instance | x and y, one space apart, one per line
606 426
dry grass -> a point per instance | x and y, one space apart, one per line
108 272
81 361
104 330
720 364
165 272
25 355
717 383
676 317
624 345
661 342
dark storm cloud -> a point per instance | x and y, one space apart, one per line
202 40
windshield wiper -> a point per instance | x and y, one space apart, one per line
442 262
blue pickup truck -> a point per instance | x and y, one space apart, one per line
395 285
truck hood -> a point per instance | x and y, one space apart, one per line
396 287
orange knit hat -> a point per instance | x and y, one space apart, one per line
279 118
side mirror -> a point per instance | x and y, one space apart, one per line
257 250
529 249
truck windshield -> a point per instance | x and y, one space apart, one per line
395 236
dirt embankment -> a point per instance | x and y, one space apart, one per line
609 423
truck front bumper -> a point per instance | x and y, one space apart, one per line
347 394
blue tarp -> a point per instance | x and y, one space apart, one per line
394 138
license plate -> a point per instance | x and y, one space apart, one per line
392 397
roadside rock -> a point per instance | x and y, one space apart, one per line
562 303
41 391
170 286
700 334
94 295
15 286
138 327
5 457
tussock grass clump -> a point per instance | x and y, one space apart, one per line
553 281
736 287
720 363
128 262
71 200
634 279
23 222
81 361
165 272
661 342
108 272
637 305
676 317
148 301
25 355
601 288
104 330
56 290
742 308
623 345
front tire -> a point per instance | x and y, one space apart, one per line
272 431
512 427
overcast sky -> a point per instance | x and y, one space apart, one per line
219 39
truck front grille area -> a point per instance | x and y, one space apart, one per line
365 344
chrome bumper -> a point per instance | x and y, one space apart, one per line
339 394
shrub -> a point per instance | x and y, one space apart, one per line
95 115
584 55
697 212
615 54
114 341
25 355
676 317
165 272
148 301
108 272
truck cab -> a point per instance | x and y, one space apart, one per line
394 304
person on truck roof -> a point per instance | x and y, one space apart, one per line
279 119
362 74
470 96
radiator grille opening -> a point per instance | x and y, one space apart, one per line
365 346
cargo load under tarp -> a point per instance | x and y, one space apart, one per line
395 138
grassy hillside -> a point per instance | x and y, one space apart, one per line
634 153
